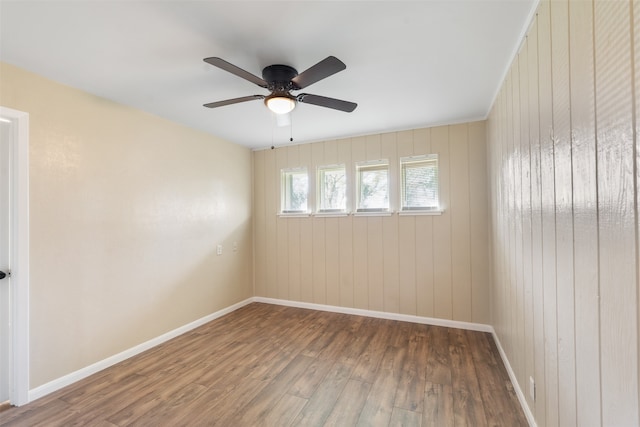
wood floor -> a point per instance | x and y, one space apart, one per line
267 365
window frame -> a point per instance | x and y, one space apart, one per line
382 164
283 191
319 189
423 158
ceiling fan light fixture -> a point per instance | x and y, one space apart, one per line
280 104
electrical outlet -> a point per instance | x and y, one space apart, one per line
532 389
219 250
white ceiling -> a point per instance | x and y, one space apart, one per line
409 64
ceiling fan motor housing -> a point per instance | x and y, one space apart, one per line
279 78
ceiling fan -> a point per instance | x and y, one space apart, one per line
280 80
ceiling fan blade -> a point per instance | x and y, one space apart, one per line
224 65
323 69
323 101
233 101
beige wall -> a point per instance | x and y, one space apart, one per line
563 183
435 266
126 211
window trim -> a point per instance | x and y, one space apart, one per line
319 182
381 164
287 212
418 210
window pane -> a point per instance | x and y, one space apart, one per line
295 185
420 183
333 188
373 187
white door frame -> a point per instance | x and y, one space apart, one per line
19 382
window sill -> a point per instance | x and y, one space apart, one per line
373 213
421 212
330 214
294 214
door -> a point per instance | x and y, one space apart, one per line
6 142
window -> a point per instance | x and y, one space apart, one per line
294 191
420 183
372 181
332 188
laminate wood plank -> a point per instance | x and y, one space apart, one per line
349 405
292 367
467 400
492 380
307 384
379 404
369 361
412 382
439 361
262 403
438 405
284 412
404 418
321 403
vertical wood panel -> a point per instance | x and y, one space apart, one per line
392 263
306 237
443 304
636 78
332 237
525 168
516 206
282 236
375 263
564 212
424 241
479 234
585 215
548 215
332 247
293 235
407 241
390 228
536 227
346 232
360 238
375 250
318 238
618 281
272 178
460 222
260 226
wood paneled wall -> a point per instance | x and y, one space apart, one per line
563 154
434 266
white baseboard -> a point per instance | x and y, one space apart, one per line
71 378
514 381
379 314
